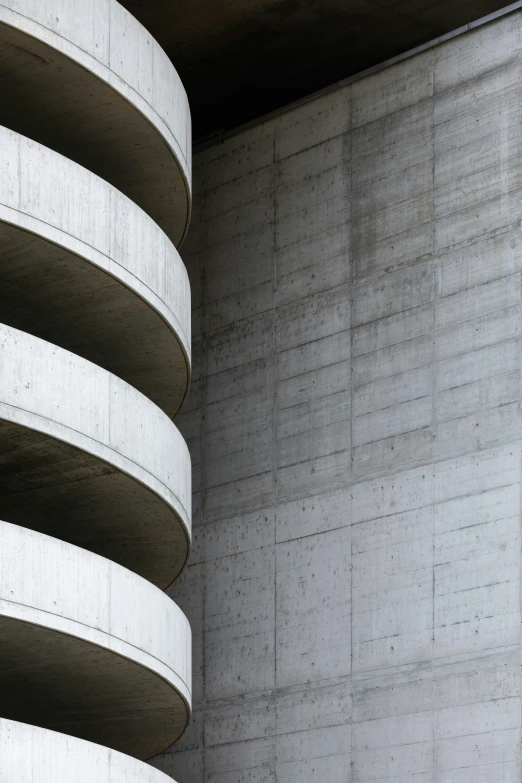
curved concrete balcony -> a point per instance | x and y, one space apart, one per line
95 479
89 648
85 268
33 755
88 459
86 79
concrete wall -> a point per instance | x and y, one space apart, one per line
355 427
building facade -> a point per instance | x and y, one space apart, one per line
354 423
354 418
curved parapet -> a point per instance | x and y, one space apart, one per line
85 268
90 617
76 434
95 479
88 80
33 755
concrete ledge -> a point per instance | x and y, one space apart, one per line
139 329
105 93
102 453
88 599
33 755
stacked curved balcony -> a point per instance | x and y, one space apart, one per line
95 480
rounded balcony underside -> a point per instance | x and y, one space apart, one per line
60 297
87 80
31 754
87 459
60 682
89 648
85 268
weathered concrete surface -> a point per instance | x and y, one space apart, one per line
355 427
94 358
242 58
86 269
87 80
113 658
33 755
88 459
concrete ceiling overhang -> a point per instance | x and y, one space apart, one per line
239 59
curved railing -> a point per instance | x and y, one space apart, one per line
86 79
63 225
95 484
90 614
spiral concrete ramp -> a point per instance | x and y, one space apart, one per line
95 479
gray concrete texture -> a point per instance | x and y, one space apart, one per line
355 429
32 754
113 652
96 276
87 80
94 359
